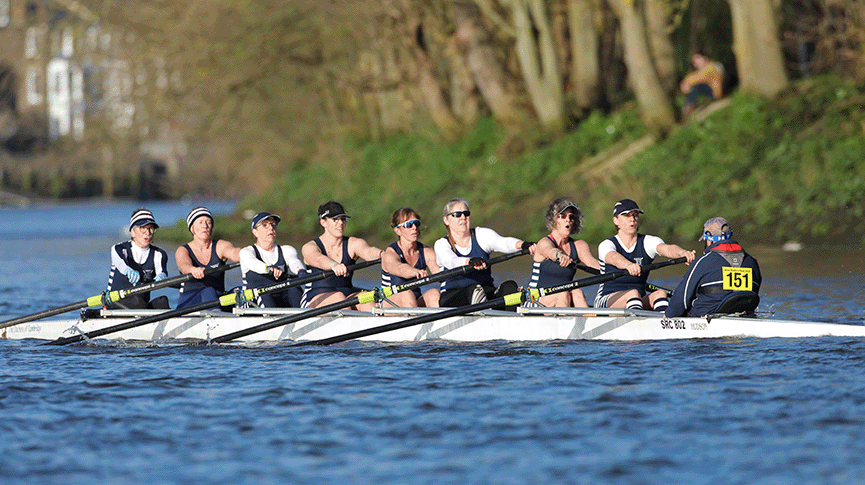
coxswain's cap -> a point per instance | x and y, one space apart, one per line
262 216
141 217
331 209
195 214
716 229
625 206
563 204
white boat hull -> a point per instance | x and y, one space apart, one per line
526 325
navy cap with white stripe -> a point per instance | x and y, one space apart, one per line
625 206
261 216
141 217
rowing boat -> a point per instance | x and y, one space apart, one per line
526 324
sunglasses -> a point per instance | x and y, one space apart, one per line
410 223
460 213
568 216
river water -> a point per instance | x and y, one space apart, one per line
711 411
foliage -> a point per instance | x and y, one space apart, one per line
783 169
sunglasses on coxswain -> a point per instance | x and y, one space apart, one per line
410 223
459 214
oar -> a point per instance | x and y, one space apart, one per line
224 300
649 286
364 297
113 296
506 300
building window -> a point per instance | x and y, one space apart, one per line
4 13
34 85
67 45
31 43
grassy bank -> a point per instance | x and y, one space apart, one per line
791 168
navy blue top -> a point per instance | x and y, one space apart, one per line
251 279
639 256
147 270
483 277
342 284
215 281
701 290
549 273
388 279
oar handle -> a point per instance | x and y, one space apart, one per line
447 274
587 269
293 282
118 295
113 296
601 278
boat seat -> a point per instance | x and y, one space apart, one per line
738 302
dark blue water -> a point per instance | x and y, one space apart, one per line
712 411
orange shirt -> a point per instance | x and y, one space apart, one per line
711 74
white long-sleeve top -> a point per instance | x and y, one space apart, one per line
248 261
139 255
488 239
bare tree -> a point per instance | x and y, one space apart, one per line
538 63
757 46
658 26
656 108
483 60
584 67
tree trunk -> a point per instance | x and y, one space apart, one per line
465 102
475 44
759 59
538 62
585 62
658 26
655 105
431 88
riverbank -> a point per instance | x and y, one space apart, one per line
782 170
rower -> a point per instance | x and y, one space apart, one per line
557 254
137 261
334 251
199 254
465 245
266 263
725 279
628 250
408 259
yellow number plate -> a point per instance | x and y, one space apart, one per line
738 279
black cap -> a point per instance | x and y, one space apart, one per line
331 209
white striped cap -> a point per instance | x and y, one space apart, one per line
195 213
141 217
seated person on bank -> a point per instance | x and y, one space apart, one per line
725 279
705 80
